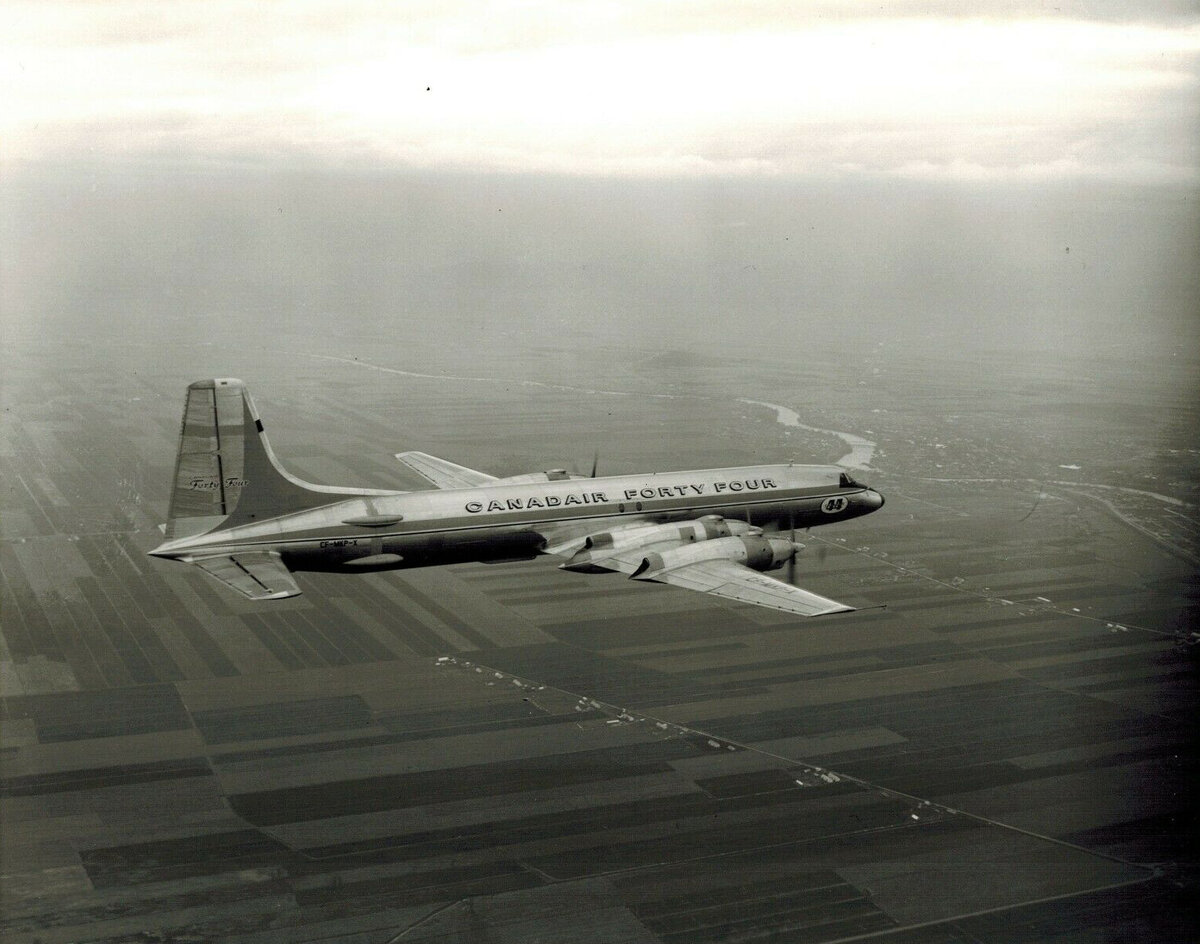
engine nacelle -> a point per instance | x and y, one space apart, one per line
710 528
752 550
764 553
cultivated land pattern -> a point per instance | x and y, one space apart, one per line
509 752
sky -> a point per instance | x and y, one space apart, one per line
722 172
659 88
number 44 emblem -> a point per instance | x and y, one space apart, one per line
831 506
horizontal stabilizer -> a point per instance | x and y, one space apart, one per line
259 575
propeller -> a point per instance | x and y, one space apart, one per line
575 473
791 564
822 550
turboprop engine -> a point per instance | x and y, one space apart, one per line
598 547
752 550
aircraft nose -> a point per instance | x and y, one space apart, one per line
873 499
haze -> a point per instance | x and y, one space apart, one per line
801 183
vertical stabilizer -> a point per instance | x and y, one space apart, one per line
225 471
210 463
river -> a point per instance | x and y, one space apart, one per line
862 451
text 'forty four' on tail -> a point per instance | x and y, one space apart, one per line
225 471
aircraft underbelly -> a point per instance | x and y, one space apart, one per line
423 550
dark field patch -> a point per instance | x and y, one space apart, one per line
283 719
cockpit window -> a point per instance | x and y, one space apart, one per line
844 481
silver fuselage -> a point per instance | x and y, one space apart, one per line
510 521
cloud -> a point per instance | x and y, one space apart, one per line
608 88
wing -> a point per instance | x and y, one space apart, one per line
444 474
733 581
259 575
708 559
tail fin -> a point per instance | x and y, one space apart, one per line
225 471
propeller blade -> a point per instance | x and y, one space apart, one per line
791 564
595 463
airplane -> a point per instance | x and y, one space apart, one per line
241 518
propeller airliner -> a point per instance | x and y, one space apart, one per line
239 516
